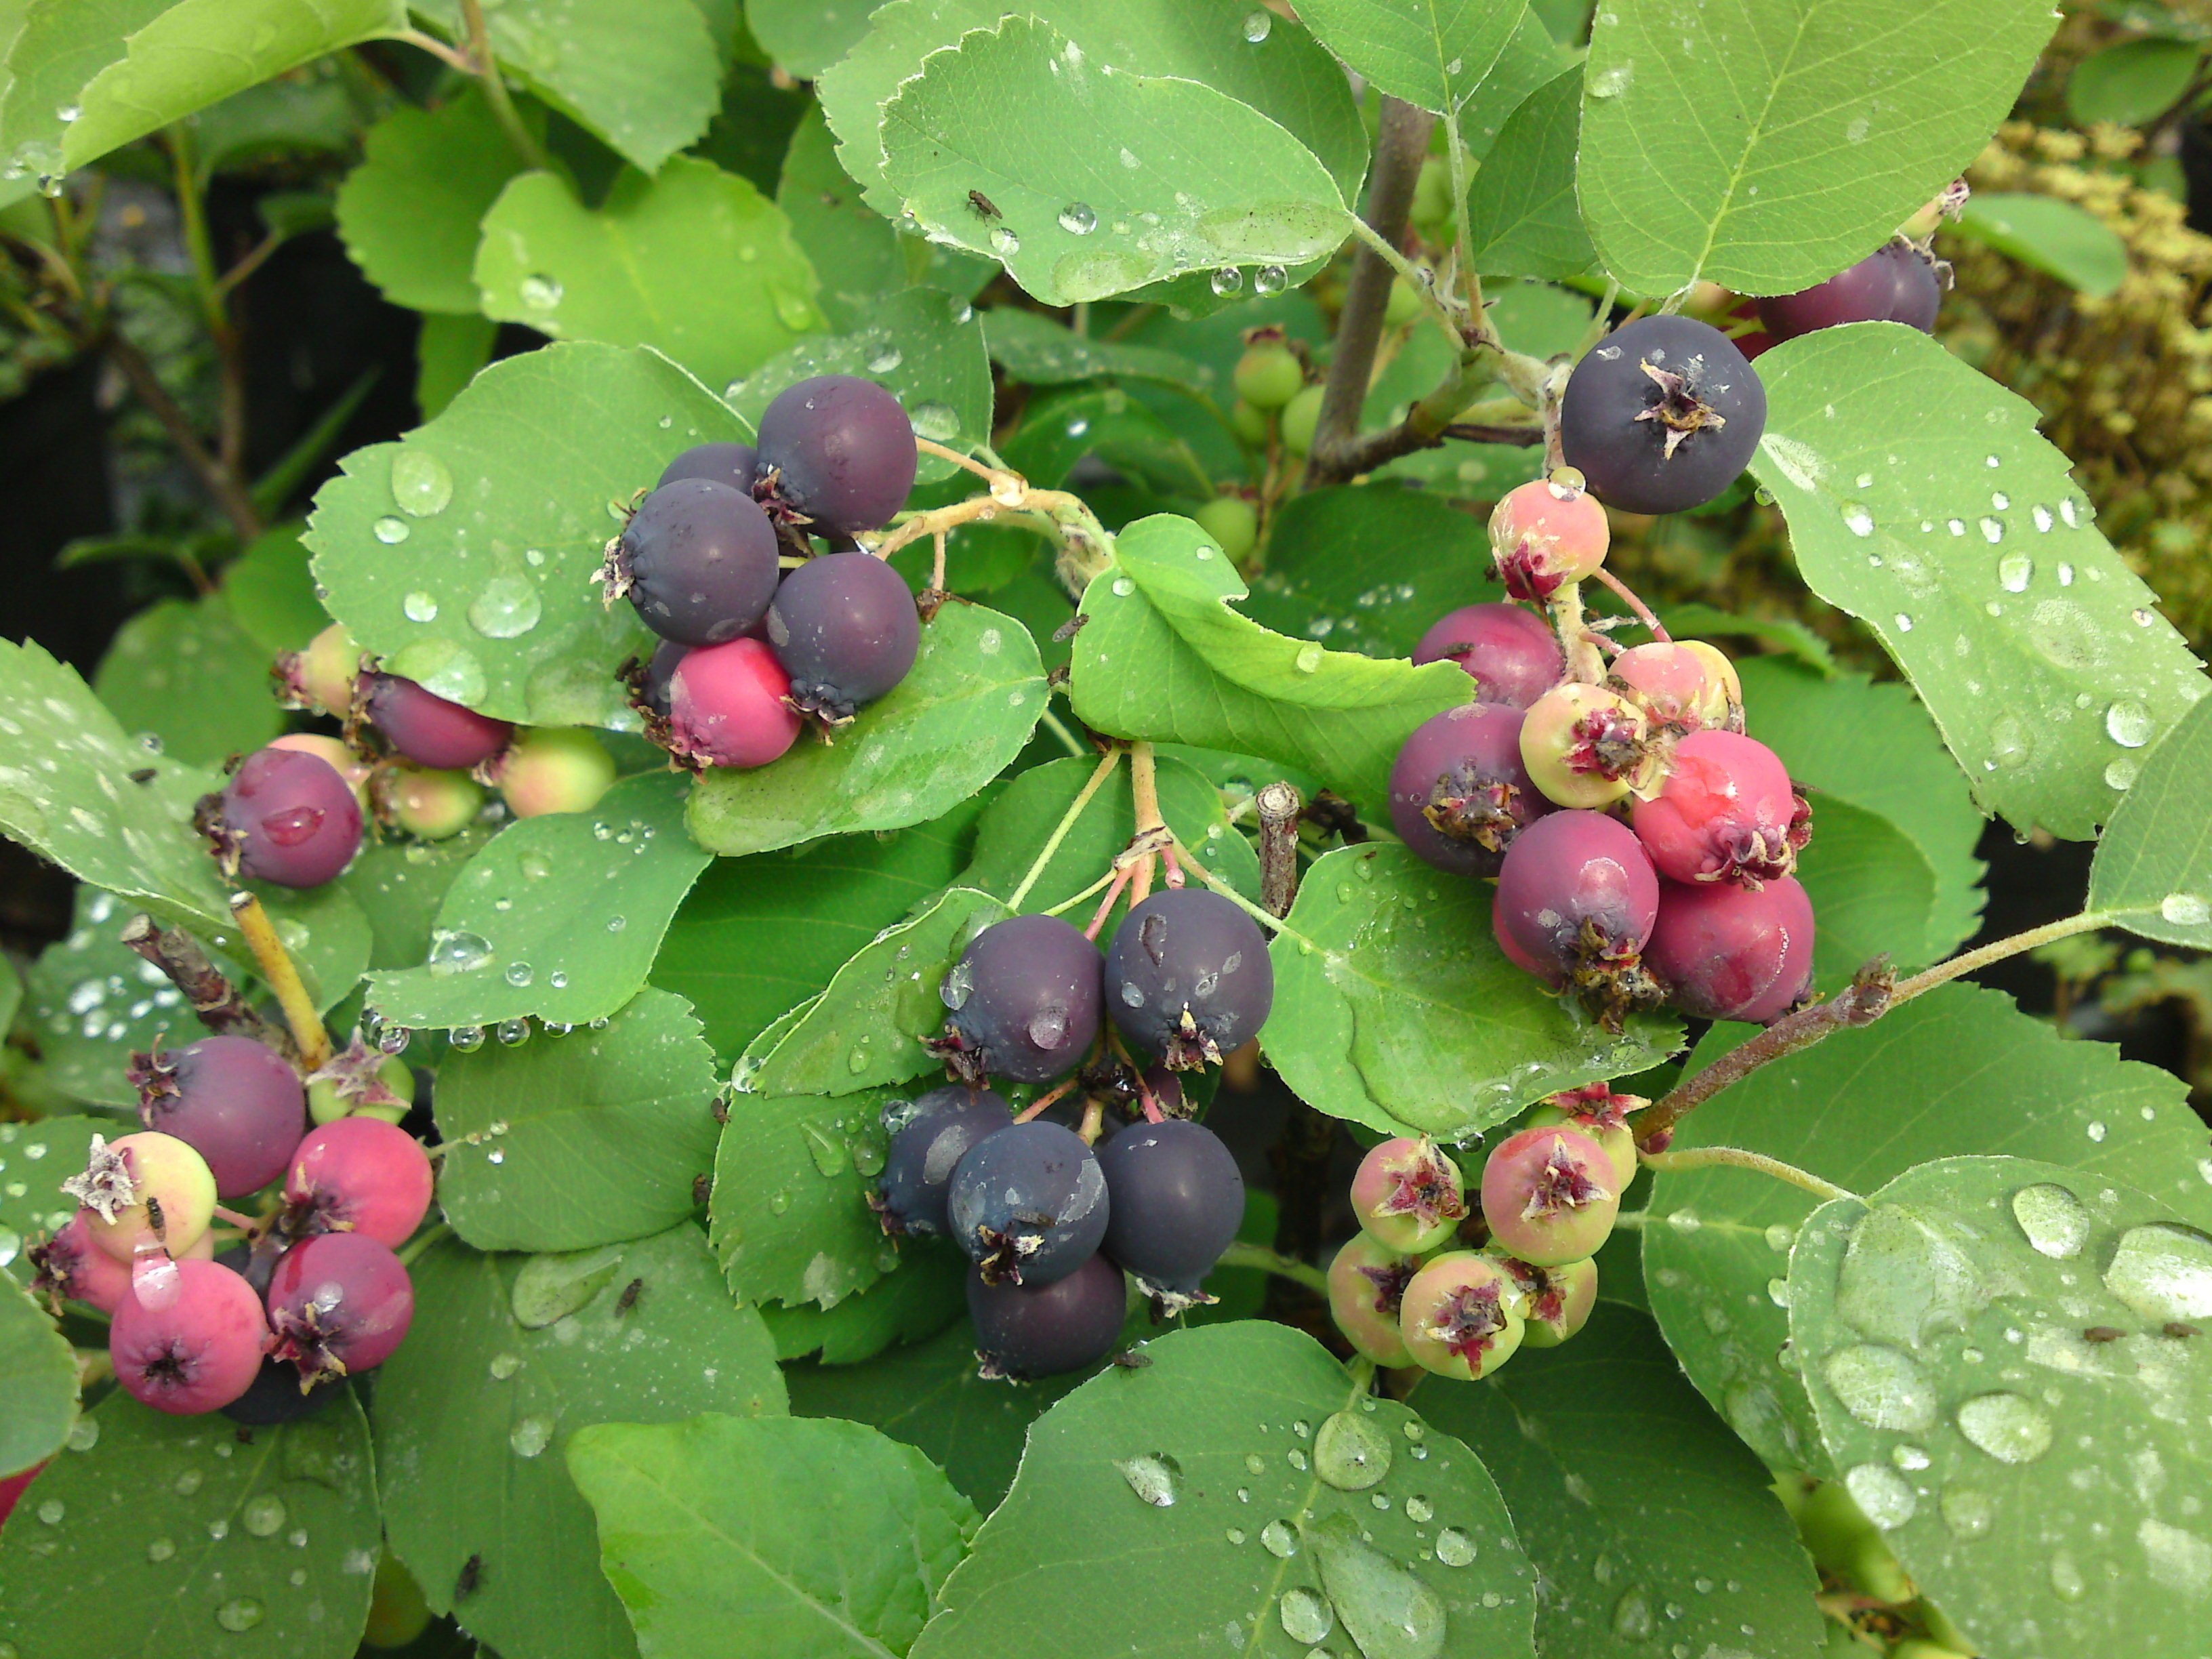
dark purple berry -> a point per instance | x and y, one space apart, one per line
698 560
1176 1200
660 669
844 624
1729 952
1895 283
1662 416
733 465
235 1101
1188 978
275 1397
1511 653
1025 1002
1575 901
1042 1330
838 452
1028 1203
929 1137
285 817
1458 790
339 1303
426 728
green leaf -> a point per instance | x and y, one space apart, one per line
1640 1509
2153 866
1789 636
409 213
1872 890
271 592
89 75
643 75
812 1537
1060 428
2041 1485
818 904
475 1468
558 916
927 1293
11 994
962 714
529 470
169 1536
1395 1008
1766 144
38 1368
1164 657
604 1132
1038 351
1921 499
804 37
1522 212
92 1001
1432 53
399 886
2050 235
1532 59
1368 567
2131 82
967 124
1206 1458
692 261
1957 1071
184 670
37 1157
448 353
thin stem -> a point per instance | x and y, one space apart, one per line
421 1242
218 479
1117 882
1455 157
1145 794
486 68
1278 806
1058 727
1736 1157
1051 1096
1263 1259
1382 249
1097 781
437 49
1072 900
937 562
1359 1368
929 447
1944 972
283 978
1622 590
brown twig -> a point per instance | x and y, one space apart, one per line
220 482
213 999
1474 432
1278 805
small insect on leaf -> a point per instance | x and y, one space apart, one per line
1130 1360
628 1299
2102 1334
701 1186
471 1578
984 206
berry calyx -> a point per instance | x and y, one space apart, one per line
339 1303
424 727
1028 1203
734 465
321 676
1575 901
357 1175
1549 1195
426 804
284 817
836 453
1023 1001
929 1136
237 1103
1676 686
1662 416
1188 977
1459 1317
1895 283
1460 791
1509 651
71 1267
1024 1331
1601 1114
1408 1195
555 770
147 1191
1725 811
1546 533
1555 1303
844 627
730 705
1367 1282
359 1080
698 560
1729 952
1269 374
193 1344
1586 746
1177 1200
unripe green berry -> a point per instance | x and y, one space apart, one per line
1555 1301
1366 1282
321 676
563 769
1232 521
1269 374
125 1179
1404 304
1432 199
430 805
1300 417
1250 425
1458 1316
1408 1195
326 1103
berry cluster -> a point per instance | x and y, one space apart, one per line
310 1292
1408 1292
748 654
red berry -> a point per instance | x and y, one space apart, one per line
1458 790
1727 811
12 1488
1677 687
1549 1195
334 753
1895 283
360 1175
71 1267
1407 1194
238 1102
1547 532
1512 654
729 705
425 727
1729 953
1366 1283
285 817
1460 1316
1576 901
189 1341
1555 1301
1586 746
339 1303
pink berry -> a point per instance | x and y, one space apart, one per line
1576 901
729 706
1555 1301
1549 1195
1727 811
1676 686
1458 790
1546 533
284 816
1729 953
190 1343
237 1103
333 753
1366 1282
1511 653
564 769
1408 1195
12 1488
1600 1113
320 676
339 1303
1586 746
71 1267
425 727
144 1191
358 1174
1460 1316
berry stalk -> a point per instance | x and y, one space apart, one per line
307 1033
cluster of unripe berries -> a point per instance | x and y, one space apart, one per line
309 1292
1407 1291
748 654
1049 1226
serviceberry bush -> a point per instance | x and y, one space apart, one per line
1004 884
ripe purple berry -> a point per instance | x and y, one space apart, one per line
1458 790
1176 1200
733 465
1513 656
698 560
1895 283
929 1137
1555 1301
1547 532
1366 1283
1188 977
237 1103
1042 1330
838 452
1460 1316
339 1303
1662 416
1575 903
1024 1001
190 1342
729 705
845 627
1585 746
285 817
652 681
424 727
1549 1196
1408 1195
1726 813
1028 1203
358 1174
1729 953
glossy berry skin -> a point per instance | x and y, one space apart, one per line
71 1267
143 1190
1233 522
1585 746
195 1346
841 453
844 626
1727 952
1601 1114
1028 1203
237 1103
1042 1330
1300 418
1546 533
1367 1281
929 1137
734 465
360 1175
332 752
1458 790
339 1303
1269 374
1188 977
555 770
284 817
1577 895
426 804
729 705
1176 1200
427 729
660 671
1512 655
1726 813
698 561
1662 416
1459 1317
321 676
1549 1196
1555 1301
1676 688
1408 1194
1892 284
1025 1001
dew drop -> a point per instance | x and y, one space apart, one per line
1270 279
2121 774
160 1549
1882 1387
1078 219
539 293
886 361
530 1436
506 609
1227 280
1857 520
1004 242
1968 1514
2128 723
1307 659
1305 1616
1631 1614
1153 1476
2056 1222
2186 909
390 531
1611 81
420 606
2010 743
2009 1428
520 974
512 1033
1993 531
935 422
52 1511
422 484
2015 571
240 1614
1880 1494
1453 1548
1278 1539
1352 1453
1123 587
2163 1272
1387 1611
1420 1510
263 1515
1258 22
2066 1581
84 1434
